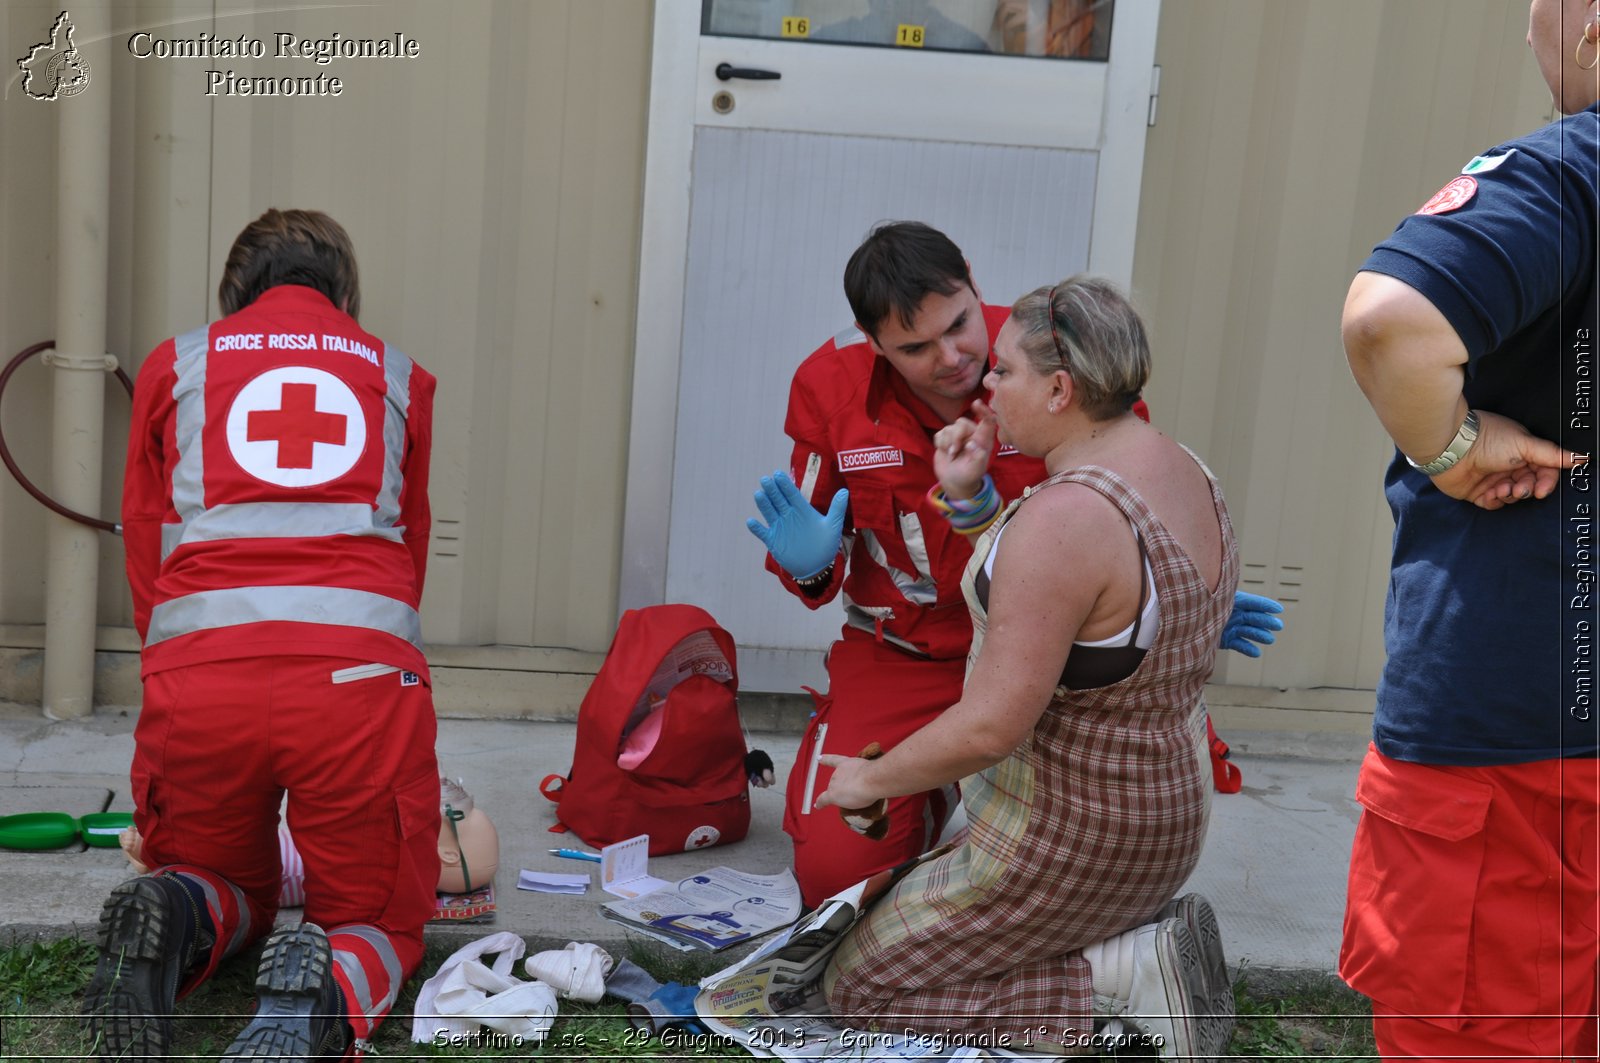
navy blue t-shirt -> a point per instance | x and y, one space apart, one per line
1492 623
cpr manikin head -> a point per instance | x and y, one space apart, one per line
469 847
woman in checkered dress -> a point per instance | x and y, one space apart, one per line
1082 774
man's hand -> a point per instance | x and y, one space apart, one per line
1505 464
801 540
961 452
1253 620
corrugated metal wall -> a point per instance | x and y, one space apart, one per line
1291 137
492 187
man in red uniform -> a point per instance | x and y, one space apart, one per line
863 410
275 516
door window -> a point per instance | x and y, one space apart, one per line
1049 29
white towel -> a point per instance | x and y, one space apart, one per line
577 971
465 994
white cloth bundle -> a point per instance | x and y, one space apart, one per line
465 994
578 971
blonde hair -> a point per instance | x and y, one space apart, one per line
1086 326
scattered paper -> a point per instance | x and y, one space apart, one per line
545 882
625 868
714 909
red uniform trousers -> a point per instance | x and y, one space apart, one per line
1472 913
876 693
216 747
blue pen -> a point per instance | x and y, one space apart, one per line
577 854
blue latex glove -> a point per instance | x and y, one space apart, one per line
801 540
1253 620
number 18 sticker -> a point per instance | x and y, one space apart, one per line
909 36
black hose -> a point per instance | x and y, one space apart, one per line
5 451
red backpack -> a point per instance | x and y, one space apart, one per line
672 667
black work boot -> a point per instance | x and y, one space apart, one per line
299 1009
150 934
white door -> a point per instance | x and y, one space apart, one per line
758 188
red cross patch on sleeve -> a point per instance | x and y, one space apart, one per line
1453 196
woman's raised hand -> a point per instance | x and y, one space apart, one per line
961 452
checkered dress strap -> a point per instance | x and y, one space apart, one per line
1189 608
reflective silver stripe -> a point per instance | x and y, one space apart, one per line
917 547
920 589
274 520
851 335
372 1008
870 618
808 483
340 606
397 377
241 927
189 392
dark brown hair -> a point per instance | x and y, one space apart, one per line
896 267
291 247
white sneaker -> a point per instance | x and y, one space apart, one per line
1151 977
1216 1021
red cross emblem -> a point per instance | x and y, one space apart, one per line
701 837
296 426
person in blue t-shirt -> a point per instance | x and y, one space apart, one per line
1472 330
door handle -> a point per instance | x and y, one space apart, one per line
727 71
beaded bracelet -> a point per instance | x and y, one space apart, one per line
815 582
969 516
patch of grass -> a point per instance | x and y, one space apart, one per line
1304 1015
42 983
41 987
41 971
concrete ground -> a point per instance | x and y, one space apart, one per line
1274 865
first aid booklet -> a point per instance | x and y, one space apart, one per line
714 909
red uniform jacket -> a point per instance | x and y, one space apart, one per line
855 424
276 494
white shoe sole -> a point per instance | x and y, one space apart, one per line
1214 1021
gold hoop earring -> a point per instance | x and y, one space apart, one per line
1577 53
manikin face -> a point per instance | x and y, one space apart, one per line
1554 29
469 855
943 353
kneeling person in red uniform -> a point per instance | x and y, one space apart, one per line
275 515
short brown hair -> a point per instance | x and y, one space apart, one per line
1086 326
897 266
291 247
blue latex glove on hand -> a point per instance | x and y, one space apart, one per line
801 540
1253 620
